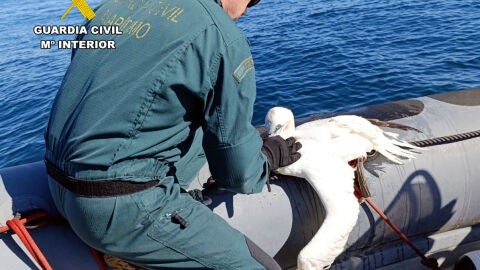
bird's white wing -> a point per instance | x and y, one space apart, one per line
350 147
319 130
358 134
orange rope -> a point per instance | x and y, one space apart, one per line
32 217
429 262
99 259
18 226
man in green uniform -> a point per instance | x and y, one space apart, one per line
130 128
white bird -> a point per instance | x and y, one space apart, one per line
327 147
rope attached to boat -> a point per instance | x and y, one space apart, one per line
447 139
99 259
363 195
20 225
17 225
362 192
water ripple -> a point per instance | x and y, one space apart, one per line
311 56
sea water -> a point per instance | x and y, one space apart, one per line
311 56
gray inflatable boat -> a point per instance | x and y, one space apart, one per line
432 199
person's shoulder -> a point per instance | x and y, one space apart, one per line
221 21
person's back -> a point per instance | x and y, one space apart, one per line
131 126
142 98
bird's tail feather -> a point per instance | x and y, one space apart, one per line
393 148
386 143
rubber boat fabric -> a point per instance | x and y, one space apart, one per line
420 198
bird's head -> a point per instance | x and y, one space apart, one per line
280 121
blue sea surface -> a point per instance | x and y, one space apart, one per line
310 56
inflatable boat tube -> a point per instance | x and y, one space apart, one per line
432 199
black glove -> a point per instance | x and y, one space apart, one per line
280 152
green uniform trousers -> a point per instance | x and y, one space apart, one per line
140 226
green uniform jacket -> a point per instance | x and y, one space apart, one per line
181 76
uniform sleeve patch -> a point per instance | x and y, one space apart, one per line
243 69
